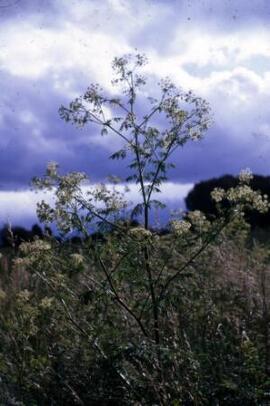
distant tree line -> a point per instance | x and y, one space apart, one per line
13 236
199 198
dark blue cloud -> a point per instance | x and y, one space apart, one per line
24 154
26 146
220 13
15 9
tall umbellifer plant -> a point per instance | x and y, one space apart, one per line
130 283
149 139
182 117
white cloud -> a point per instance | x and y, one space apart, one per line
170 192
27 117
34 53
218 49
76 44
85 38
19 207
16 207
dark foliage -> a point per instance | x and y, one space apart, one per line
14 236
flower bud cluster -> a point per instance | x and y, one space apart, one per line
180 227
30 251
76 259
245 176
243 194
68 186
46 302
198 220
139 233
195 134
23 296
218 194
52 168
34 247
196 217
44 212
22 262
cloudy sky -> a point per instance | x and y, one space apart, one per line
51 50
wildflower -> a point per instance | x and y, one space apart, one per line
140 232
245 175
34 247
198 219
194 134
46 302
218 194
52 168
77 259
246 195
260 203
196 216
22 262
180 227
24 296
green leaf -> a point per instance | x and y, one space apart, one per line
121 154
104 131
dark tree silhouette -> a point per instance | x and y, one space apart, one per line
14 236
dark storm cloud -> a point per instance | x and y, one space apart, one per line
32 134
219 12
219 9
10 9
216 155
30 128
213 16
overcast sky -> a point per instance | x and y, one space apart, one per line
51 50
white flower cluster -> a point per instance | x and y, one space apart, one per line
34 247
24 296
77 259
218 194
198 220
30 251
166 142
244 194
261 203
139 233
240 193
46 302
180 227
194 134
196 217
69 185
245 175
117 203
52 168
20 263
